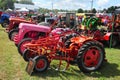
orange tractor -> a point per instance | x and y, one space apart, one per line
82 50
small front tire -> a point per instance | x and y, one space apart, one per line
12 33
42 64
21 44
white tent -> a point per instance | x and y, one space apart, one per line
23 10
9 10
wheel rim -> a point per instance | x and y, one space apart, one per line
40 65
22 48
91 57
13 34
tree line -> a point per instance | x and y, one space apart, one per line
107 10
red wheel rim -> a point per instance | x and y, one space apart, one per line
40 64
92 57
22 48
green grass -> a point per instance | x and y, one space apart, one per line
12 66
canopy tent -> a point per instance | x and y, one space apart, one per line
23 10
27 6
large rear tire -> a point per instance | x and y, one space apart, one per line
21 44
90 56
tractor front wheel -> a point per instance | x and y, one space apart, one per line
90 56
42 64
21 44
12 33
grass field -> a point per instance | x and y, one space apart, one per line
12 66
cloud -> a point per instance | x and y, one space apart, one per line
62 4
74 4
43 5
69 5
102 2
118 4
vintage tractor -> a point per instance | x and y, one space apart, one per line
84 51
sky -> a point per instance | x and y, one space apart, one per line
76 4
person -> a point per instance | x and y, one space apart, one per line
42 18
72 21
117 23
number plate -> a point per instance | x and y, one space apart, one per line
30 66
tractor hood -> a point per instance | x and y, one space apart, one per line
18 19
80 39
34 27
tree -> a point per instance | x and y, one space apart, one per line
26 2
5 4
80 10
104 10
94 10
111 9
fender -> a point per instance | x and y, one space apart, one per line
107 36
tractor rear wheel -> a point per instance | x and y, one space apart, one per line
27 54
21 44
42 63
90 56
12 33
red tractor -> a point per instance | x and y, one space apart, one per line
87 53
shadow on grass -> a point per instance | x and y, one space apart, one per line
108 46
53 73
108 70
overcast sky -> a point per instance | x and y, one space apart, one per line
76 4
